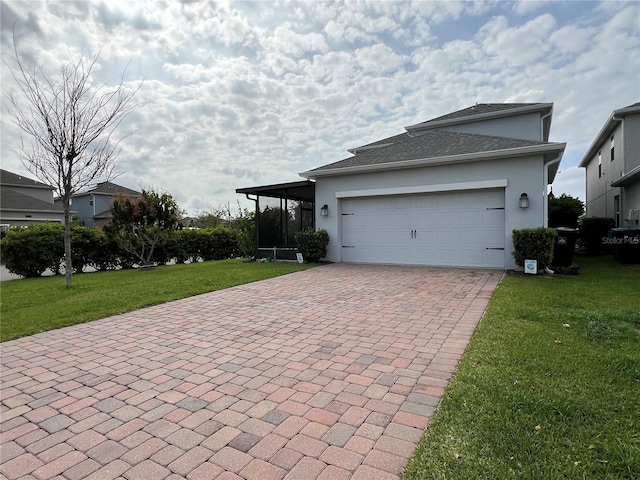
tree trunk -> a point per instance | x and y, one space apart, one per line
68 267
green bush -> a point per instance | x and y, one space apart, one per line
592 229
85 246
533 244
106 254
32 250
564 211
175 247
312 244
245 228
218 243
189 244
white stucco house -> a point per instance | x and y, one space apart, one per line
613 169
445 192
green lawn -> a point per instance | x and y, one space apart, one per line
549 386
38 304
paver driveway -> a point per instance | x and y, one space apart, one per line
331 373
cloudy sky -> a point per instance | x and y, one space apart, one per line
239 94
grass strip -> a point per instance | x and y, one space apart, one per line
35 305
549 386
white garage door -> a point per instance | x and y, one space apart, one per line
462 228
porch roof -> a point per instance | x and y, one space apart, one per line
304 191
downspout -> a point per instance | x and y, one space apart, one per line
256 223
621 149
545 203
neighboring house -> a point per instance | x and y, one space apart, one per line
445 192
93 206
25 201
613 169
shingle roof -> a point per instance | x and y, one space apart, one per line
10 178
379 143
481 108
109 188
485 109
12 200
432 144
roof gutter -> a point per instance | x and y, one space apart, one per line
447 160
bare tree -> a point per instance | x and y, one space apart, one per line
70 119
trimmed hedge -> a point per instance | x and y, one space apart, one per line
32 250
312 244
533 244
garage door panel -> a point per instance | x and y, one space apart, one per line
448 228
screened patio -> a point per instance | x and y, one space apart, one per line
281 211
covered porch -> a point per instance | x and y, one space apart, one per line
281 211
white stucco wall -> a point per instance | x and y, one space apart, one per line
600 193
24 218
525 127
631 141
523 175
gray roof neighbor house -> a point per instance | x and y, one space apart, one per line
93 205
612 163
25 201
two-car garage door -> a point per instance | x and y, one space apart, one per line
459 228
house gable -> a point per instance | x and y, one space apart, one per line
91 204
612 165
24 201
526 121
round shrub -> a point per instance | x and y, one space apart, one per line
32 250
312 244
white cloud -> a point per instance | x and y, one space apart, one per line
523 7
571 181
246 93
517 45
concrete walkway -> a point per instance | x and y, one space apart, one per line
332 373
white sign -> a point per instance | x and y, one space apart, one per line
531 266
299 257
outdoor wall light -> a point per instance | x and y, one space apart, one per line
524 201
324 211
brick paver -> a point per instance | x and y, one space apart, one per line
332 373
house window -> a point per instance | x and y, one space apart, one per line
612 147
90 202
616 209
600 164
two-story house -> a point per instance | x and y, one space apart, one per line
25 201
93 206
612 163
448 191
